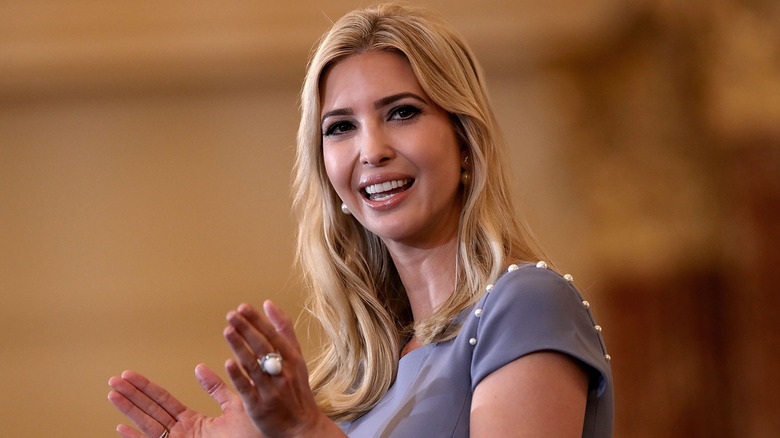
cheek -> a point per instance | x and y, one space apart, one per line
337 170
445 156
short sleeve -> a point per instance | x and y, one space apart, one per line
533 309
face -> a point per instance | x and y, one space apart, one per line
390 153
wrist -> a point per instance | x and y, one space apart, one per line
322 427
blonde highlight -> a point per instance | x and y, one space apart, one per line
356 295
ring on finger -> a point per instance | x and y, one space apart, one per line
164 434
271 364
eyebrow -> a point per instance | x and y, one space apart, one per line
338 112
378 104
390 99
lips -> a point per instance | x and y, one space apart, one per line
385 190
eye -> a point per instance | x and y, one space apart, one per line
404 112
338 128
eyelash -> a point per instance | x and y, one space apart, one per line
341 127
331 130
410 108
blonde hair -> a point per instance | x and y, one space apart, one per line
356 294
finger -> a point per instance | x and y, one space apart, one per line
245 356
129 432
156 393
289 348
246 389
128 409
215 387
281 335
281 322
150 407
141 419
269 331
254 336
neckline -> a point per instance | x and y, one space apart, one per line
417 351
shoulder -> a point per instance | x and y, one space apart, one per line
532 295
532 308
531 281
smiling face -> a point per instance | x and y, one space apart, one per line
390 153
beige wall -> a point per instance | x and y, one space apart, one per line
146 147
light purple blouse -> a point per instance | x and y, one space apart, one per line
529 309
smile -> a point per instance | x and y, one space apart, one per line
385 190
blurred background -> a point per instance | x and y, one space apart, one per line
145 158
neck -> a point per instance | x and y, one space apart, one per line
428 274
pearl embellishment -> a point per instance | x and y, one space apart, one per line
541 265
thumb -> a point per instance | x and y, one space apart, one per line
215 387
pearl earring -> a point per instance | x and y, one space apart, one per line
465 174
465 177
345 209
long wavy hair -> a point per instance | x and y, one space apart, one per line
355 292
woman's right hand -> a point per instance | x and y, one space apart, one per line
153 409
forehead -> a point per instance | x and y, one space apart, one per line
367 76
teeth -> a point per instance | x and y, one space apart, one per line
385 186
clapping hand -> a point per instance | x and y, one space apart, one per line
274 398
276 394
156 413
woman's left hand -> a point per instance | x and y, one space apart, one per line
280 405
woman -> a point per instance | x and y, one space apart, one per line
438 319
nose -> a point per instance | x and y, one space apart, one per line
375 147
